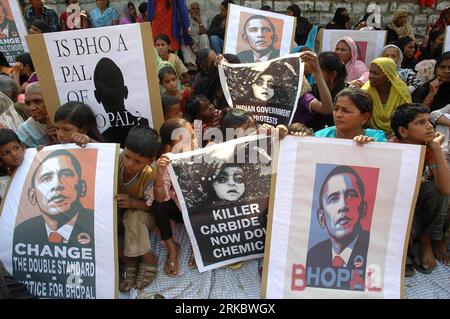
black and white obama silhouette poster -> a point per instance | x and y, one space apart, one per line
223 191
111 69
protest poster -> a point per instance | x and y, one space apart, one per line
447 39
223 191
58 222
370 44
340 220
112 69
257 35
268 90
12 30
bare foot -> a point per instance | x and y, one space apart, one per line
191 263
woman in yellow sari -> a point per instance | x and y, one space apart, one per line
387 90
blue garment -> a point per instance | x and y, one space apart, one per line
48 15
180 19
103 20
377 135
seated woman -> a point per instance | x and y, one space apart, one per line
407 75
433 47
387 90
352 111
435 93
357 71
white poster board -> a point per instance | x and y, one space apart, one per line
370 43
112 69
60 241
223 191
253 33
12 30
359 200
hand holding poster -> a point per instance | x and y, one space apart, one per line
268 90
105 68
256 35
341 218
58 222
224 194
12 30
369 44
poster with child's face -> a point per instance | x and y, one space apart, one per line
224 195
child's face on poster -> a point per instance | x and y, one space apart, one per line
229 185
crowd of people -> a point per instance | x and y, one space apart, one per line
401 97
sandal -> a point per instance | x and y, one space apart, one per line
420 267
128 279
171 266
145 275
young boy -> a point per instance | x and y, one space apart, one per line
135 176
12 152
411 125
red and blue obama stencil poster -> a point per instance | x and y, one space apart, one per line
340 219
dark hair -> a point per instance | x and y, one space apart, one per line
167 101
257 16
166 70
201 56
41 25
234 118
108 76
402 42
73 159
129 4
3 60
192 107
266 8
25 59
338 170
295 10
434 34
405 114
330 62
360 98
162 37
168 127
232 58
80 115
8 136
8 87
143 140
444 56
226 2
142 7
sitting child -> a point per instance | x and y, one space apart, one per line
411 124
171 107
135 177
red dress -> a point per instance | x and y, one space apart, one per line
162 23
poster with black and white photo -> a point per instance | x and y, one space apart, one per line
268 90
223 191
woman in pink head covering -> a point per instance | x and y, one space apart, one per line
357 71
